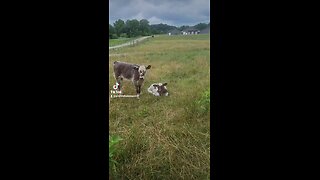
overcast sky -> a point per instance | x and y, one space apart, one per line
171 12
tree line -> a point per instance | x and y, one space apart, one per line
130 28
134 28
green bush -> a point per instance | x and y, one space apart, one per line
113 141
124 35
114 36
203 103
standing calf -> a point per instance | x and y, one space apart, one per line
132 72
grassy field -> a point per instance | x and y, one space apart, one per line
164 137
114 42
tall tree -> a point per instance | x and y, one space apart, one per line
132 27
144 27
119 27
111 31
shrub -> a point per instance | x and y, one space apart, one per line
203 103
114 36
113 141
124 35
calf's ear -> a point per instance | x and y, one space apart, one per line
148 67
164 84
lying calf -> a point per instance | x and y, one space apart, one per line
132 72
158 89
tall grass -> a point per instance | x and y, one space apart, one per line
165 137
113 141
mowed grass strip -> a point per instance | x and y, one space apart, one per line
114 42
165 137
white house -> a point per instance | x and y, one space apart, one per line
190 31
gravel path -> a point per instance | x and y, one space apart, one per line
130 42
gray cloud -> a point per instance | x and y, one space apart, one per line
172 12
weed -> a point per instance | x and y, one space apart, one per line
143 113
204 102
113 141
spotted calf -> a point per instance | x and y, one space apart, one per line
158 89
133 72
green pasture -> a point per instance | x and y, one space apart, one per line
164 137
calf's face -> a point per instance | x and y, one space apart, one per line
162 90
142 70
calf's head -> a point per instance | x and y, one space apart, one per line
162 90
142 70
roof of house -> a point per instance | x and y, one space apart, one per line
190 29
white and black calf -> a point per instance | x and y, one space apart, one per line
158 89
133 72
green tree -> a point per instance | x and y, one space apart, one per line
181 28
144 27
119 27
132 28
161 28
201 26
111 31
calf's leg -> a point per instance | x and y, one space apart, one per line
138 89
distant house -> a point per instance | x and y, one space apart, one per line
174 32
190 30
205 31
